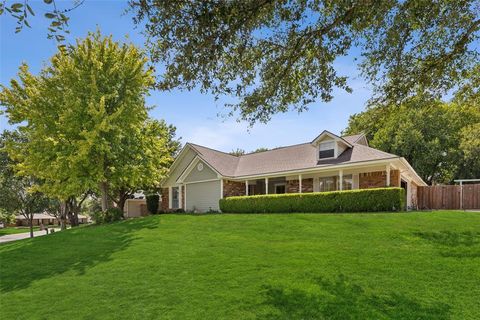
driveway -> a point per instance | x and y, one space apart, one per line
20 236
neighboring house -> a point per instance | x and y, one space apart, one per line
45 219
201 176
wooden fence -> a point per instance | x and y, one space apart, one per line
449 197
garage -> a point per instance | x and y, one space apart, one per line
203 196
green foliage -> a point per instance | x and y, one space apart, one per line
281 55
86 123
18 194
367 200
152 203
58 28
108 216
237 152
434 137
6 217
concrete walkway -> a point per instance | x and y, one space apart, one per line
20 236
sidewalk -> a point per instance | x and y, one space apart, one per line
20 236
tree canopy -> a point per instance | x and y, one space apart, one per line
85 121
279 55
439 139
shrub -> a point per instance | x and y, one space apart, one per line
152 203
364 200
111 215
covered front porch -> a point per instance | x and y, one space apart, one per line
320 181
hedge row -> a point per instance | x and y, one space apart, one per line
364 200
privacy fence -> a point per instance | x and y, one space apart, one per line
464 197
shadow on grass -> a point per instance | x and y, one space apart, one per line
340 299
25 261
454 244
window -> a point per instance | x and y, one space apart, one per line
251 189
348 182
175 199
279 188
326 150
328 184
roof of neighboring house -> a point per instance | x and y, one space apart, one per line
44 216
295 157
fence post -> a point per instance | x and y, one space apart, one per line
461 195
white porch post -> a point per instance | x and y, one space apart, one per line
299 183
246 187
340 176
266 185
180 202
388 176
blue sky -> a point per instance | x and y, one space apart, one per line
194 114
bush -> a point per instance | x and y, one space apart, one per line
364 200
152 203
111 215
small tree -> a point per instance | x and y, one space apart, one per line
18 193
152 203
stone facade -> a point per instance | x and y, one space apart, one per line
233 188
378 179
165 199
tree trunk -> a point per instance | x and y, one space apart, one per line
104 194
63 214
122 198
30 223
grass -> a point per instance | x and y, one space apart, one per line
14 230
300 266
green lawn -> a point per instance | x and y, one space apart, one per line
290 266
13 230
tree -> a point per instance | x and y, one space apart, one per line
237 152
149 157
261 149
470 146
21 11
18 194
280 55
86 121
435 137
6 217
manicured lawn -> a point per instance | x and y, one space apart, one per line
301 266
13 230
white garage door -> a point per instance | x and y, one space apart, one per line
203 196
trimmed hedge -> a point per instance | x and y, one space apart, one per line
153 203
363 200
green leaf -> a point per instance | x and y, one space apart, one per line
48 1
49 15
30 10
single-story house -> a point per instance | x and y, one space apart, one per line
200 176
45 219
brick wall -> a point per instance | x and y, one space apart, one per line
293 185
378 179
233 188
165 199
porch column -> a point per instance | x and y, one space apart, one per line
246 187
266 185
388 176
340 176
299 183
180 202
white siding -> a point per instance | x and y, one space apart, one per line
203 196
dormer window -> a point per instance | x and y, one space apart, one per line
326 150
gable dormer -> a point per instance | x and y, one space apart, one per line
329 145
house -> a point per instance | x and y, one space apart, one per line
45 219
200 176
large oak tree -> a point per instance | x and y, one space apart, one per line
276 55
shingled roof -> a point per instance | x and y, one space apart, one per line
295 157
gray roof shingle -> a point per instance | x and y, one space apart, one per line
296 157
